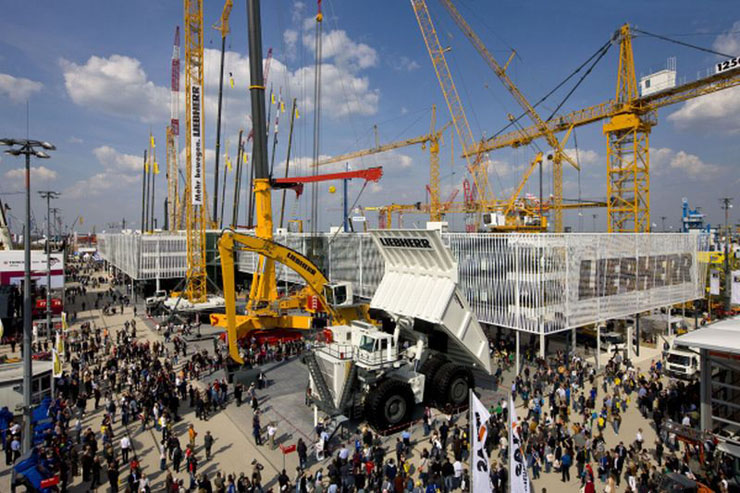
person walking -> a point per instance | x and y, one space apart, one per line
565 462
271 432
257 429
191 435
125 447
177 458
208 443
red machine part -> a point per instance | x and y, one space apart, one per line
369 174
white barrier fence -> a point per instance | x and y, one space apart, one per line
532 282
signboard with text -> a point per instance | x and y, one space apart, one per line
12 266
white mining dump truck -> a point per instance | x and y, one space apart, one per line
424 349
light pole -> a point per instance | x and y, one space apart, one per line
57 223
27 148
48 195
727 205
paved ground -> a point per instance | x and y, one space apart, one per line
282 402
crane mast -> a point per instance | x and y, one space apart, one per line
627 151
195 214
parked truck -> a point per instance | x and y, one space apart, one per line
424 349
682 363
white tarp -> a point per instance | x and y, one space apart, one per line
517 461
714 282
480 462
735 300
196 147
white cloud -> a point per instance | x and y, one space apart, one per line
716 112
18 89
584 157
664 161
338 46
112 159
75 140
297 12
290 38
119 170
729 43
38 174
342 92
98 184
405 64
116 85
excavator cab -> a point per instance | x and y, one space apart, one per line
338 294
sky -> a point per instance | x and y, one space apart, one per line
94 79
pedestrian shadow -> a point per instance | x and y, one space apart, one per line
222 449
283 438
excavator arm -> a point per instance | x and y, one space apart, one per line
230 241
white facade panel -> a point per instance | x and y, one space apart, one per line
536 283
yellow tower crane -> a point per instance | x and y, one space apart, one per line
433 138
195 214
558 155
477 168
630 117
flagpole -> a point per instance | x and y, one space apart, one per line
53 370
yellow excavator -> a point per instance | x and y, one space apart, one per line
334 299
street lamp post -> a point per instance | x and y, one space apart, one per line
48 195
27 148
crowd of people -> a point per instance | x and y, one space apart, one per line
569 413
129 385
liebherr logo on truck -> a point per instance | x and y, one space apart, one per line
612 276
303 264
406 242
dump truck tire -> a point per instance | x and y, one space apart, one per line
429 369
390 404
452 384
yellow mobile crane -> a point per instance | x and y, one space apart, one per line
630 118
264 309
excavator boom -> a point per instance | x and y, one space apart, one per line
231 241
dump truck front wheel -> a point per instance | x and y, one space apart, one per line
390 404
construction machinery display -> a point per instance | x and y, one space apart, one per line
424 350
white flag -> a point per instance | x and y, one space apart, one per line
714 282
735 300
480 461
517 461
